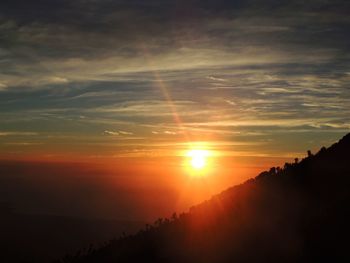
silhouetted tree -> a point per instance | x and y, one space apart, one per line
287 165
174 216
322 150
158 222
309 154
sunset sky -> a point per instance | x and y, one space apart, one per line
255 82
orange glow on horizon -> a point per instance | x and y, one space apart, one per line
159 185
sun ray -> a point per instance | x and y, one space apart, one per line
166 94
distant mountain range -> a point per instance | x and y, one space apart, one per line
297 213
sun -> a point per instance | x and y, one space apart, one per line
198 158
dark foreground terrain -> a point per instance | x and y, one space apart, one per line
43 238
298 213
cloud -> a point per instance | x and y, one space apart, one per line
125 133
205 68
114 133
117 133
230 102
216 79
170 132
2 86
12 133
23 143
97 41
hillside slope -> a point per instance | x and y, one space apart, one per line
295 214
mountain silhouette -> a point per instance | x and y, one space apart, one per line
298 213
